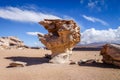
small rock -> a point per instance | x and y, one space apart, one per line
17 64
85 61
73 62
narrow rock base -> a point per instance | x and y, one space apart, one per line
61 58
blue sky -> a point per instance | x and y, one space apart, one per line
99 20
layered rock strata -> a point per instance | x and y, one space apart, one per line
111 54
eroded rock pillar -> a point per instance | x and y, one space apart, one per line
62 36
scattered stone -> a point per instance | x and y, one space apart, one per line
62 36
85 61
17 64
111 54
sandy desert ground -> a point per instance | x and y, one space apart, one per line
38 69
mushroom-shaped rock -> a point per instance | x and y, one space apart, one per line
62 36
111 54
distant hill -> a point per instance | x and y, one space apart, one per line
91 46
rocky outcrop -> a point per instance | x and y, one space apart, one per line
11 42
62 36
111 54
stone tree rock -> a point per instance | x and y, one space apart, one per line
111 54
62 36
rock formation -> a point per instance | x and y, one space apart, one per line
62 36
11 42
111 54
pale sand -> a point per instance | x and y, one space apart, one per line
38 69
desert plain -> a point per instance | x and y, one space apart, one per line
38 68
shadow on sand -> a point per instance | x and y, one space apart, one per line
29 60
100 65
40 60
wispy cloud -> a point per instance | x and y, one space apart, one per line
92 35
92 4
22 15
93 19
33 33
97 5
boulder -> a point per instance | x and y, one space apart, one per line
62 36
87 61
111 54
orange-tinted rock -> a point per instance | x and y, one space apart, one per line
62 36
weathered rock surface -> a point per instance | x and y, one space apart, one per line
11 42
111 54
62 36
87 61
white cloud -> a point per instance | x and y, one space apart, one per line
33 33
16 14
91 4
93 19
92 36
95 36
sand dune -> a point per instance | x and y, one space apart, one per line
38 69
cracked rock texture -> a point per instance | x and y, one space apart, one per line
111 54
62 36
